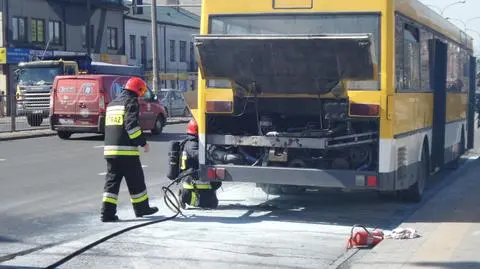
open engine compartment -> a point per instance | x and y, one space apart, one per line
293 132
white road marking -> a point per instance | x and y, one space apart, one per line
2 160
144 166
99 147
102 174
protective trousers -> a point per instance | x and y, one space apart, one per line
131 169
197 194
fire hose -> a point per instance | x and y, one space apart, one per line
170 200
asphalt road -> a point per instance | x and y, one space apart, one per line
48 183
50 199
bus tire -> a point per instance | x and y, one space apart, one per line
415 192
34 120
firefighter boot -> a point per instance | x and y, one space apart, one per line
143 209
109 212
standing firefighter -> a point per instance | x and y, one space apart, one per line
193 192
122 138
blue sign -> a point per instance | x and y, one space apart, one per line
17 55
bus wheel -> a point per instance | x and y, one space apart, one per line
415 192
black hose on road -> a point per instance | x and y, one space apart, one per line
172 203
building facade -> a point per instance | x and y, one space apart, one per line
32 28
176 27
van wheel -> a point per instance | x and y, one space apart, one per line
64 134
159 124
415 192
34 120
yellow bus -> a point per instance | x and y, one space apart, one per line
359 95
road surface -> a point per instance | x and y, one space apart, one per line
51 195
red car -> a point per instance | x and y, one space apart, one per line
78 104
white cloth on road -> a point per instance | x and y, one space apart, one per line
402 233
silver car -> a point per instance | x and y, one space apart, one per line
174 102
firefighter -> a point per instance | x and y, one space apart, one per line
123 136
193 192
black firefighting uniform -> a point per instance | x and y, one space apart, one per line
123 135
194 192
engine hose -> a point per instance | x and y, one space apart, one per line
172 203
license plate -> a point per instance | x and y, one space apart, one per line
37 112
65 121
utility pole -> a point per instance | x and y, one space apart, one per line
87 28
154 46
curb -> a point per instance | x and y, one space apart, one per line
43 133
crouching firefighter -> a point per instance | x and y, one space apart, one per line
193 192
123 136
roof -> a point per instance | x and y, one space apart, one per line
169 15
422 13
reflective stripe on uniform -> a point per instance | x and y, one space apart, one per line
135 134
138 195
121 153
193 199
140 199
110 198
123 148
111 195
206 186
116 108
134 130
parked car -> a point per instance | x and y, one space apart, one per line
174 101
78 104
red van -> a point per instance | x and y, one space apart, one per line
78 104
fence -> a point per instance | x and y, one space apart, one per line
13 118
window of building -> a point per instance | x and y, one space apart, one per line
192 57
38 30
143 50
137 10
92 36
113 38
19 29
133 49
183 51
55 32
172 51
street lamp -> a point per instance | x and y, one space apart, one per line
155 37
452 4
464 23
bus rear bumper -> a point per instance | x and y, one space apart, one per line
335 179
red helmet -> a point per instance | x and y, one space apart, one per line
136 85
192 127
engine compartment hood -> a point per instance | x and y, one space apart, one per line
311 64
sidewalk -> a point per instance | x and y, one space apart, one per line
23 134
449 226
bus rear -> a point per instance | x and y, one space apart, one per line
290 95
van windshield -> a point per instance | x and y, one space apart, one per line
38 75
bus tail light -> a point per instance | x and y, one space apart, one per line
219 107
366 181
368 110
216 173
